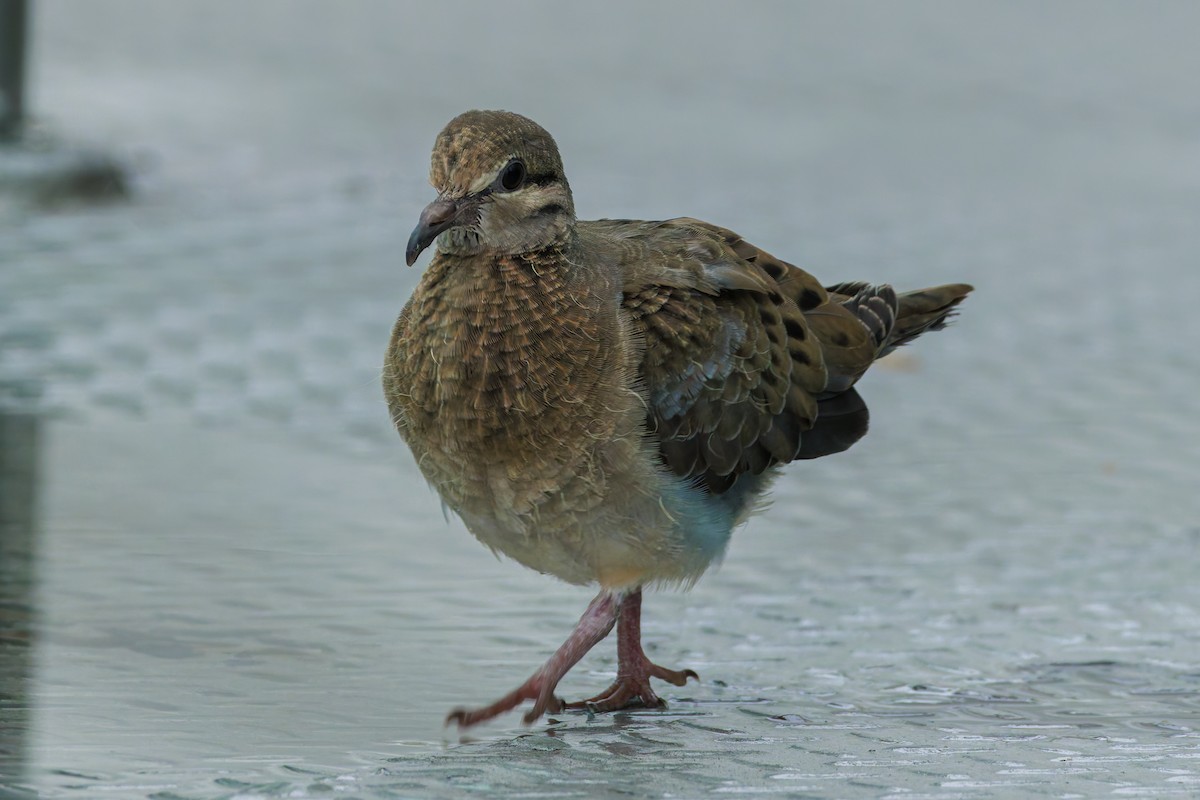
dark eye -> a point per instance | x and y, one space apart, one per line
513 176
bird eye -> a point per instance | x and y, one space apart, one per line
513 176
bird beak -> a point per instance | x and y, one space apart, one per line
437 217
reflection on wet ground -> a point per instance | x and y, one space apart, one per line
244 589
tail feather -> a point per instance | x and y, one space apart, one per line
891 321
876 307
924 310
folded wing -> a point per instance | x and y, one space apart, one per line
748 361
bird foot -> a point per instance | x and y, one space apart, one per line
593 626
537 689
632 688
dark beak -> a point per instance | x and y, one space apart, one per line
437 217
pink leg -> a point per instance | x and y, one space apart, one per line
634 670
593 626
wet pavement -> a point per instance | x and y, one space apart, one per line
222 575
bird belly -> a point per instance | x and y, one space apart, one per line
619 528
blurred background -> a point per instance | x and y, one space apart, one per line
222 576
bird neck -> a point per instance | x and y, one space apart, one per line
512 231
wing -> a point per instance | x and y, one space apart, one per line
744 353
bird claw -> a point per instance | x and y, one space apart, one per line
633 690
550 705
543 701
458 716
678 677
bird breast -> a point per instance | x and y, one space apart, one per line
507 373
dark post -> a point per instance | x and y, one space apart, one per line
13 27
19 444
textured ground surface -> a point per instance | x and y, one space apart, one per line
243 589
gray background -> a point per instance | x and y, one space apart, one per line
244 589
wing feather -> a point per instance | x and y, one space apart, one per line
731 367
748 361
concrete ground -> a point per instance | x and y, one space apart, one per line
223 577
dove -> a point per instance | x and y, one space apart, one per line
606 401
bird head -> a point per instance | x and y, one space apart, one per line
500 186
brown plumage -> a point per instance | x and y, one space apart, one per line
604 401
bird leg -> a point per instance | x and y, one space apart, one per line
593 626
634 670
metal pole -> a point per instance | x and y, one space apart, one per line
14 18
